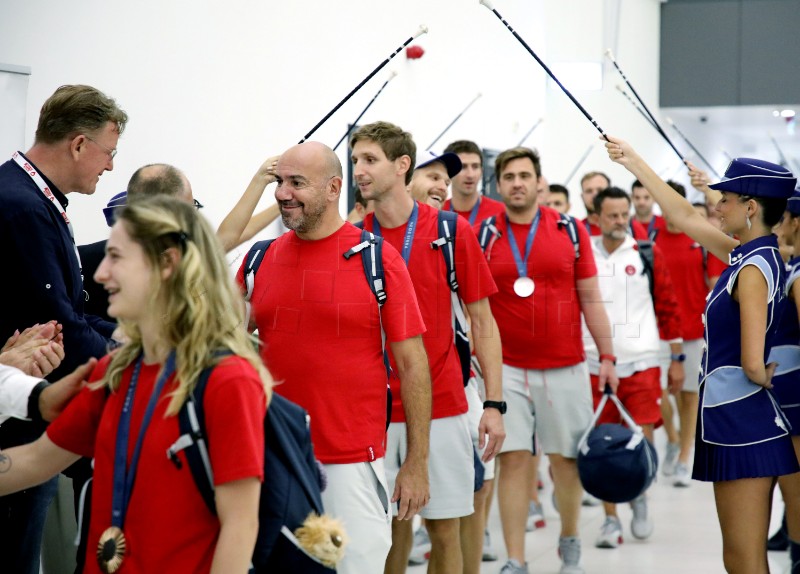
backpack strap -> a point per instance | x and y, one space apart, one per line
647 254
253 260
488 234
570 225
191 422
447 222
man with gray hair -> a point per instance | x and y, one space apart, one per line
76 141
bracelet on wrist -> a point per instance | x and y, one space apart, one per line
607 357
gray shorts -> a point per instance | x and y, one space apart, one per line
560 399
451 466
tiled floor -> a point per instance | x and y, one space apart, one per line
686 538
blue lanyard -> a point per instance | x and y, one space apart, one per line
124 475
411 229
473 215
522 264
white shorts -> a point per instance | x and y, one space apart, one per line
694 355
560 399
475 403
451 467
357 494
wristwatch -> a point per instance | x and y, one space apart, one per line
499 405
680 358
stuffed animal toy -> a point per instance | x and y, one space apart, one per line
322 537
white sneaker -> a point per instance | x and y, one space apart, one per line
569 549
670 459
610 533
421 549
535 517
641 524
589 500
489 553
683 477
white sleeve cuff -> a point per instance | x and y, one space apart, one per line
15 389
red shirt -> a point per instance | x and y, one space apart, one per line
320 328
714 266
685 261
487 207
638 230
542 331
427 269
167 525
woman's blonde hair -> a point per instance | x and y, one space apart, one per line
200 307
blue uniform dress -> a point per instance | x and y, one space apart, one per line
786 352
741 430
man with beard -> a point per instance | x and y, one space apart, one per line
641 313
320 328
383 157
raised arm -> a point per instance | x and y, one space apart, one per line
677 208
700 182
412 488
235 224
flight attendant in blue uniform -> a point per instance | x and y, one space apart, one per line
786 381
743 441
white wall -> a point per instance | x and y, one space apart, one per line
214 88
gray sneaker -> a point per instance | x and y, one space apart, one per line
610 533
514 567
670 459
569 549
535 517
641 524
421 549
489 553
683 477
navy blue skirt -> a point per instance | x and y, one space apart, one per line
715 463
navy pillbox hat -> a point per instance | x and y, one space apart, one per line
793 205
450 160
757 178
115 202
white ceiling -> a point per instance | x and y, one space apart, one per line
736 131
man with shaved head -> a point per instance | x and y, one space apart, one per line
320 328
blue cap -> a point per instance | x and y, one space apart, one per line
115 202
757 178
793 205
450 160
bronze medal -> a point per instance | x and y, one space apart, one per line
111 549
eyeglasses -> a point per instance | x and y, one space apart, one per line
197 204
110 152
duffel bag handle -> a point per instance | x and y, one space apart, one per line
638 435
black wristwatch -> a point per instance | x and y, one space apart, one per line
33 403
499 405
678 357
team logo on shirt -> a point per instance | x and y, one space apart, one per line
630 270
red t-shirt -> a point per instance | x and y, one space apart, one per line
167 525
684 258
542 331
638 230
487 207
320 327
427 269
714 266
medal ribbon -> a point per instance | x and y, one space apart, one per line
124 475
411 229
473 214
45 189
522 264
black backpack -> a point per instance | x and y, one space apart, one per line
292 480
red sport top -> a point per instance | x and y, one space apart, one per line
542 331
319 326
487 208
167 525
427 268
685 261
